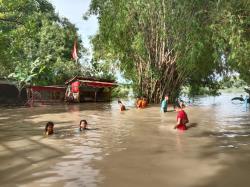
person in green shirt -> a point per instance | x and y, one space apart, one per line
164 104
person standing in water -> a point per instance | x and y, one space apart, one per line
164 104
144 103
49 128
122 106
182 118
139 102
83 125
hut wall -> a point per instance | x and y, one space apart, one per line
88 94
8 94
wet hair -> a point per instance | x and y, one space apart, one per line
50 123
119 102
182 105
177 106
84 121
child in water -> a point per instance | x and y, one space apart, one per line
83 125
122 106
49 128
182 118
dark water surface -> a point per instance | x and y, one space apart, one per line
133 148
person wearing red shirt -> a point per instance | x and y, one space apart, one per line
182 118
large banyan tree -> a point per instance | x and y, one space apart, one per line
157 43
161 44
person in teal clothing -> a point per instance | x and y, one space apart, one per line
164 104
246 101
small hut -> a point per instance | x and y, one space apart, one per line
82 89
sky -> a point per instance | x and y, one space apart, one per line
74 10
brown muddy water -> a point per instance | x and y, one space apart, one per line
135 148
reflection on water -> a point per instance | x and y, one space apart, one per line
131 148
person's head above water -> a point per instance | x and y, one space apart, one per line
122 106
180 106
166 97
49 128
83 125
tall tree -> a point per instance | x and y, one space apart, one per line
231 35
159 44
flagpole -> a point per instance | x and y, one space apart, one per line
74 51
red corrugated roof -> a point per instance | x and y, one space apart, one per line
99 84
79 78
48 88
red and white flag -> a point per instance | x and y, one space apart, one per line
74 52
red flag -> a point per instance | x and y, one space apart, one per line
74 52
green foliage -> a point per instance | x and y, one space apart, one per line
171 43
233 82
231 35
103 70
35 43
156 42
120 92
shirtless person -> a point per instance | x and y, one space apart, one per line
122 106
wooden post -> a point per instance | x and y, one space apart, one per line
95 95
78 97
110 91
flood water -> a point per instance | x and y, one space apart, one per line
134 148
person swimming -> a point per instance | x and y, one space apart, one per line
49 128
122 106
83 125
182 118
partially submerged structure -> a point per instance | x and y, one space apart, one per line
45 95
82 89
10 94
77 89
